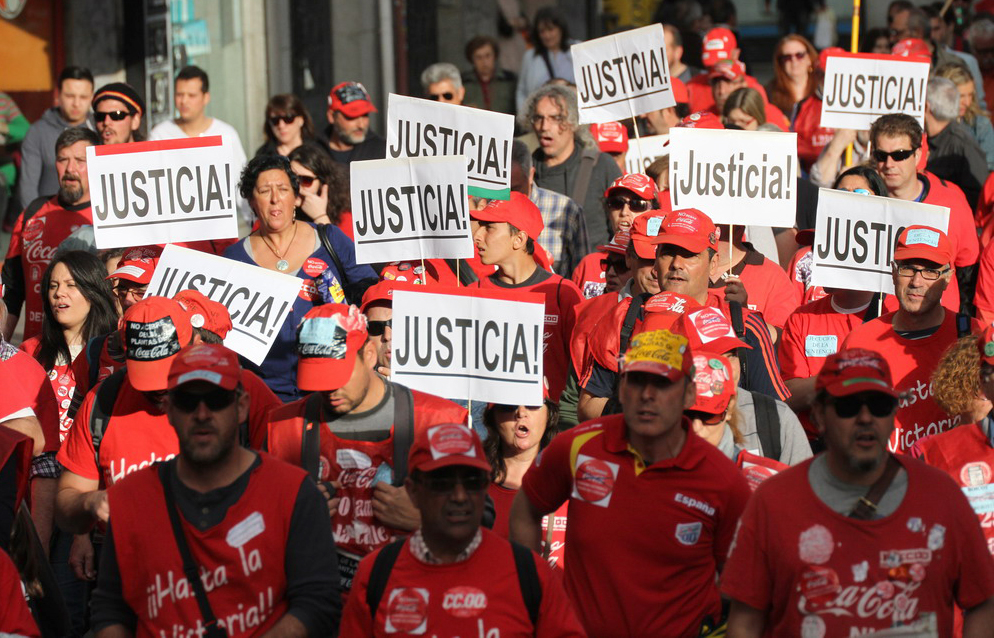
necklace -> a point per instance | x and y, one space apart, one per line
282 265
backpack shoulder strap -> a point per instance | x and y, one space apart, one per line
738 325
963 326
34 207
326 242
531 588
403 430
872 310
767 425
92 353
380 574
587 160
310 437
628 325
103 406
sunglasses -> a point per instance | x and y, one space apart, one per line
287 118
307 180
215 400
117 116
897 156
787 57
617 264
447 96
705 417
376 328
474 482
617 202
880 405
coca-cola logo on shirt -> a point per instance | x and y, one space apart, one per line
34 228
151 341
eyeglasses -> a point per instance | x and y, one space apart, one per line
215 400
438 96
555 119
928 274
787 57
286 118
117 116
705 417
472 482
307 180
135 292
617 264
879 404
376 328
636 205
897 156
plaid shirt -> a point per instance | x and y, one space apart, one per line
421 552
565 232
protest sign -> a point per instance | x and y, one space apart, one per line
735 177
860 87
258 299
410 208
643 152
161 192
855 237
466 343
423 128
623 75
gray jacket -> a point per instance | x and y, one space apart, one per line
794 446
37 176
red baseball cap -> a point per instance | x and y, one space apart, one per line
680 92
912 48
328 339
728 70
644 232
659 352
986 345
351 99
923 242
856 370
611 137
618 244
210 362
205 312
138 264
827 53
518 211
702 119
446 445
663 310
718 45
153 332
714 381
708 329
638 183
382 291
688 228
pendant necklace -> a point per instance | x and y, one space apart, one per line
282 264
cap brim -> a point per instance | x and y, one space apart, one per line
845 387
150 376
321 375
644 248
724 344
928 254
353 110
449 461
207 376
618 250
133 274
659 369
712 405
693 244
484 216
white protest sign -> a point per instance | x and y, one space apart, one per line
855 236
423 128
468 343
259 300
622 75
735 177
410 208
860 87
641 156
161 192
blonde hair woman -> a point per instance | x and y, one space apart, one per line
971 113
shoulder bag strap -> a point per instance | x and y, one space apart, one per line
963 326
531 588
380 574
866 507
587 160
628 326
767 425
326 242
403 431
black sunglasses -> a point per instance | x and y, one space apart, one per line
287 118
446 95
637 205
705 417
376 328
897 156
472 482
215 400
307 180
880 405
617 264
117 116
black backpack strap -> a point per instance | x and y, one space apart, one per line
92 353
33 208
738 325
380 574
326 242
403 431
767 425
628 325
103 406
873 310
531 588
587 160
963 325
310 437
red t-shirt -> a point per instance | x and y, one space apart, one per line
962 230
34 245
675 547
701 98
812 137
799 272
63 380
985 205
912 363
503 497
15 617
768 287
984 298
561 299
434 271
33 380
849 576
590 276
480 596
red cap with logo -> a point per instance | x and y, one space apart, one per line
710 330
351 99
714 381
618 244
663 310
611 137
644 232
658 352
446 445
923 242
205 312
638 183
138 265
688 228
210 362
986 345
153 332
382 292
718 45
519 211
680 92
702 119
328 340
728 70
912 48
855 370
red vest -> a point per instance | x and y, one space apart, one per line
241 558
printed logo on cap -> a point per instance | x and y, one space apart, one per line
142 253
407 611
711 324
351 92
464 602
450 440
922 236
152 341
322 337
684 220
860 361
594 480
610 132
710 376
667 302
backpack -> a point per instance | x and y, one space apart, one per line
613 405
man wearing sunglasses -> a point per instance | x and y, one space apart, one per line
858 540
442 82
118 111
913 338
261 556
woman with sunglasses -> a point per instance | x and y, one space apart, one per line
796 75
324 188
288 125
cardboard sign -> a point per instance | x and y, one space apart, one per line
652 148
423 128
162 192
468 343
855 236
258 299
623 75
860 87
735 177
410 208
